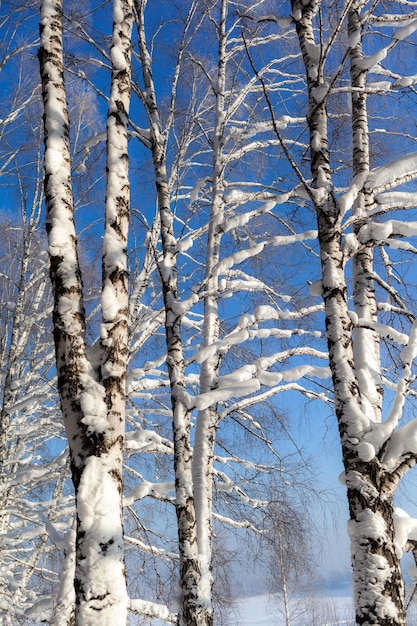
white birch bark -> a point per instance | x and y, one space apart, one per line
92 399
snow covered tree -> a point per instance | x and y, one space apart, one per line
91 382
32 471
371 346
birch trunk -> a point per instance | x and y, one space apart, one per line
207 419
378 585
91 395
192 609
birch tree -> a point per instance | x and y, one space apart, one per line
28 401
377 447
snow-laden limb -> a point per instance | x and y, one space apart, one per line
12 116
147 441
372 61
384 330
63 608
393 174
151 549
405 81
380 232
237 221
269 393
235 523
40 611
152 610
402 441
237 386
392 19
224 484
245 334
85 149
243 255
155 490
396 199
36 472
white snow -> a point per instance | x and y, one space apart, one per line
354 38
397 198
145 488
244 254
406 81
366 451
316 288
197 189
93 405
147 441
321 92
152 610
346 200
109 301
368 63
401 441
405 529
240 220
380 231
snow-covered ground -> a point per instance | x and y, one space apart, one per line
330 610
256 611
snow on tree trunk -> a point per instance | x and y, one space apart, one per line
92 393
365 340
378 584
